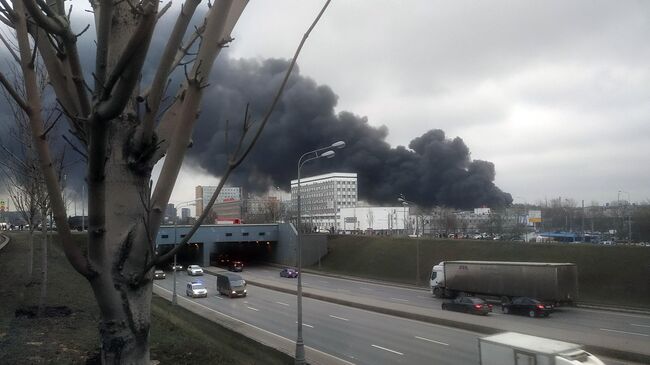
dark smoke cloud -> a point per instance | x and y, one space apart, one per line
433 171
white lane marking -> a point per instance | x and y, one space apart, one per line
389 350
423 297
341 318
639 325
284 304
628 333
306 325
434 341
347 290
401 300
601 311
253 309
257 328
324 282
364 288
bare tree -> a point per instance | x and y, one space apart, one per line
24 181
121 131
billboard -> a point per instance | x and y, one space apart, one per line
535 216
3 205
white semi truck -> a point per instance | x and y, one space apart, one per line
511 348
548 282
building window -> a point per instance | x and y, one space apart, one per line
164 236
183 235
228 234
262 233
245 234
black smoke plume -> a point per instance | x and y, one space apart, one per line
433 171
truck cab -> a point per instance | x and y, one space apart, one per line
437 281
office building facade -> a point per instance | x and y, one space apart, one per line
322 197
228 194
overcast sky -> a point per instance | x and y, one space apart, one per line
556 94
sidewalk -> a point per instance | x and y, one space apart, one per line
628 349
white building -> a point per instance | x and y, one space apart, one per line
380 220
322 196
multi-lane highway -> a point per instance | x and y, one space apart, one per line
354 335
630 327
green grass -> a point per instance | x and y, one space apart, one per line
611 275
177 336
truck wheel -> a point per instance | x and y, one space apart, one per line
505 310
437 292
531 313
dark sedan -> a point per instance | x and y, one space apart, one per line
236 266
468 305
527 306
289 273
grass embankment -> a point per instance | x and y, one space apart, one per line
610 275
177 336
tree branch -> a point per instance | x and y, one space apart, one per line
13 93
51 25
72 251
280 91
234 163
116 94
164 69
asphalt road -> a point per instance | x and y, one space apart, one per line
628 326
358 336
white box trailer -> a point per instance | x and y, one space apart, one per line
512 348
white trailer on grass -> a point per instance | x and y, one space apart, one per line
512 348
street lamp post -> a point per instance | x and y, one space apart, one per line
308 156
187 203
405 203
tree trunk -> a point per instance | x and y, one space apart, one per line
43 296
123 294
30 258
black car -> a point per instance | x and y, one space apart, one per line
468 305
527 306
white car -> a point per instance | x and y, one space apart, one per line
196 290
194 270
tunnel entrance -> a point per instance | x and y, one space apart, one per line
190 254
250 253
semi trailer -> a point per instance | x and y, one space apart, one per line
548 282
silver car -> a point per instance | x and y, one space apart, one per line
194 270
196 289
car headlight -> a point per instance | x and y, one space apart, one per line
244 290
233 292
